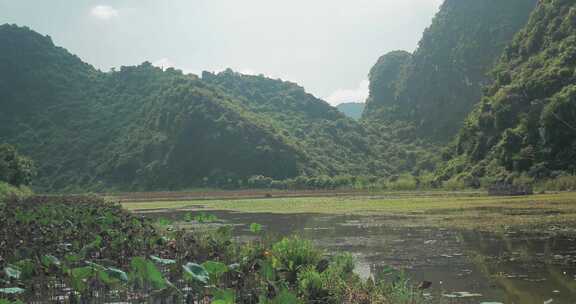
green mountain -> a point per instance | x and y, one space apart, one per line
386 77
336 144
136 128
352 110
431 91
526 121
142 128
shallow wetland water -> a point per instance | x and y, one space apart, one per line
464 266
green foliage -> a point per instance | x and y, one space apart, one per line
454 184
310 284
405 182
143 128
333 144
226 296
79 276
386 81
525 122
561 183
205 218
7 190
285 297
15 169
215 269
115 274
294 254
144 272
289 271
12 272
255 228
196 273
162 261
431 91
136 128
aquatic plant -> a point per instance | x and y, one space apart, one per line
85 250
293 254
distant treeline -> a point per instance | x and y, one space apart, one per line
560 181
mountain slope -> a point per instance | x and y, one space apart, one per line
434 89
526 122
142 128
337 144
138 128
386 78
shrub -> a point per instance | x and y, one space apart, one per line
310 284
342 264
427 180
454 184
294 254
7 190
523 180
561 183
14 168
405 182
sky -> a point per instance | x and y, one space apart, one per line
326 46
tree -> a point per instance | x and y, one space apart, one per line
15 169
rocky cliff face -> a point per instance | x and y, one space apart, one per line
434 89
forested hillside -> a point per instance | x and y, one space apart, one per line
430 92
526 121
145 128
142 128
338 144
136 128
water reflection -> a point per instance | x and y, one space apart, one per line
528 268
464 267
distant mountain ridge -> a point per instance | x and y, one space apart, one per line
353 110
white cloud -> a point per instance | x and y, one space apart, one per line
350 95
104 12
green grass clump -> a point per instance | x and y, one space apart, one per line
294 254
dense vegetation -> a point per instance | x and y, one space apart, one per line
83 250
430 92
525 123
386 78
332 142
144 128
135 128
16 172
